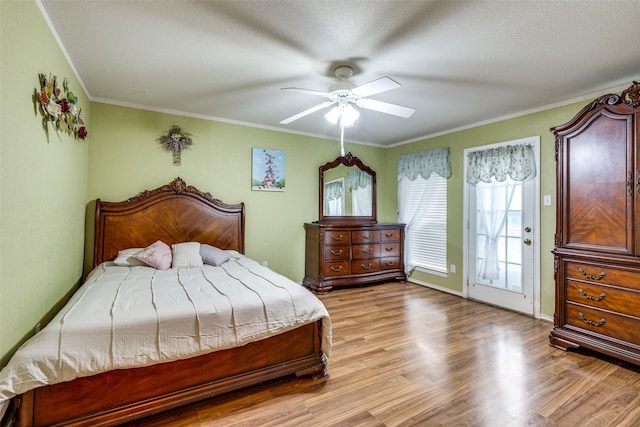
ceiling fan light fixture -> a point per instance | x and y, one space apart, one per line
346 116
333 115
349 116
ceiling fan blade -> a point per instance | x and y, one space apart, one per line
307 91
385 107
307 112
380 85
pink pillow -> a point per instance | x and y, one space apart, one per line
157 255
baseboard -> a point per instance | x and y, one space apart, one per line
437 288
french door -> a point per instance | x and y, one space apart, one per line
502 244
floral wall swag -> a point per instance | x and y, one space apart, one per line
175 141
58 107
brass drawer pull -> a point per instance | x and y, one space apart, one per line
336 253
388 234
589 297
336 269
389 248
367 251
590 276
591 322
388 263
367 237
366 267
334 237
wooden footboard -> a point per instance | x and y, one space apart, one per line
123 395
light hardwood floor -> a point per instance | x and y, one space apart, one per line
406 355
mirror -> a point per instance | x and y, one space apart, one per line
347 191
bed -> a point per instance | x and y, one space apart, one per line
168 369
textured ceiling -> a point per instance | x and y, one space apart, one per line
459 63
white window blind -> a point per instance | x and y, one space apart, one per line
428 239
361 201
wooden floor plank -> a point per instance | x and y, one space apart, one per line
407 355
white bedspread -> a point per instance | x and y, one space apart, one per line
137 316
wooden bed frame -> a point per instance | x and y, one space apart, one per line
172 213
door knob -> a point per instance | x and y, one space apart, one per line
527 229
526 242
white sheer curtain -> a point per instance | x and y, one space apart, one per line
411 166
493 214
489 170
334 198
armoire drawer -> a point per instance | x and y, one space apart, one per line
604 297
603 274
361 266
604 322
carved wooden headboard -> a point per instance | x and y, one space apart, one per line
173 213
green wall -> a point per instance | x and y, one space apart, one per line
43 184
126 158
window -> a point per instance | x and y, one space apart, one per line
422 206
427 238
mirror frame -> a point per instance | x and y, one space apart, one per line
347 160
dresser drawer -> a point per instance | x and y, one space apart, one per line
361 266
603 322
390 249
603 274
365 236
365 251
334 237
336 268
604 297
336 252
390 263
390 236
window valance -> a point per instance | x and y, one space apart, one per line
516 161
424 164
358 179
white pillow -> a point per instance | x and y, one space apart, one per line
125 258
213 256
186 255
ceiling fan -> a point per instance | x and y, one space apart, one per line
345 94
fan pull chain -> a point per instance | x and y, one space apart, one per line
341 140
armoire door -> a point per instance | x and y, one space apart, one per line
598 186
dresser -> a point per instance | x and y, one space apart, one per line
347 255
597 239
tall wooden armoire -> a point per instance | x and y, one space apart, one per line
597 240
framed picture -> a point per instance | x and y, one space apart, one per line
267 170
